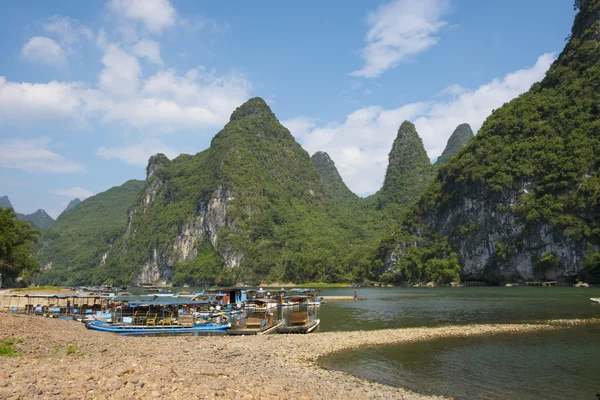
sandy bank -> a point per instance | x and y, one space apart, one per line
274 366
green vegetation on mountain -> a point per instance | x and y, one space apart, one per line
459 139
40 219
16 244
72 250
332 182
72 204
252 204
543 148
409 170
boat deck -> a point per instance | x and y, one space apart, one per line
249 331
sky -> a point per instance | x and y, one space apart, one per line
89 90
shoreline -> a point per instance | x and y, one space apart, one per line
105 365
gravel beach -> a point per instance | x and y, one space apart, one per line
63 360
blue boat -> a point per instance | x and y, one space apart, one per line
153 330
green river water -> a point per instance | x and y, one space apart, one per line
562 364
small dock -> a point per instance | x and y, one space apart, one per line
300 329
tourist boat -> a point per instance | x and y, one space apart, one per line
303 299
595 299
255 323
260 304
300 322
124 329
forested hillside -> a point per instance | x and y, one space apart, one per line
522 199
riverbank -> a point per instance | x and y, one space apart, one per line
62 359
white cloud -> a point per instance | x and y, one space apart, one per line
29 102
361 144
33 155
75 191
399 29
165 101
155 15
44 50
138 153
300 126
69 31
121 74
149 49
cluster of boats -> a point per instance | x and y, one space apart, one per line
231 311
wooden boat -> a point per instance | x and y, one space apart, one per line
255 323
123 329
260 304
595 299
299 323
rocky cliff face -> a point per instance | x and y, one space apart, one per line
459 139
522 201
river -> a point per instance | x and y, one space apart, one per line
562 364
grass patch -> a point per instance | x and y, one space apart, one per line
32 288
7 347
72 350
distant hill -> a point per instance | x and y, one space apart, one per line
5 202
80 238
72 204
39 219
459 139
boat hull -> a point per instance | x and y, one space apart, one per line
300 329
152 330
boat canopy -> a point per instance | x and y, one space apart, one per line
169 301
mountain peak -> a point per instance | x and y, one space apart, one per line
155 162
5 202
409 170
72 204
255 107
459 139
589 13
332 182
40 219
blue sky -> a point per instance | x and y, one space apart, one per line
89 90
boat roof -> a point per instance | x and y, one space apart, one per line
262 301
60 296
167 302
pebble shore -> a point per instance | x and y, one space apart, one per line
63 360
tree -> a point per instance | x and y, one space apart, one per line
16 243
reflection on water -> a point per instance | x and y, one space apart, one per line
560 364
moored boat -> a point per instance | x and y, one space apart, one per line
255 323
124 329
595 299
300 322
